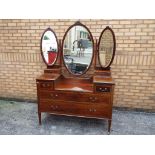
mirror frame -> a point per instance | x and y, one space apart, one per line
78 23
114 47
49 29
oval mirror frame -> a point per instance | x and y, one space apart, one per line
78 23
114 48
41 48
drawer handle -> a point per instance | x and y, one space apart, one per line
52 95
54 107
90 98
45 85
103 89
92 110
93 99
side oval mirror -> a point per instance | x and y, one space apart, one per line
106 47
49 47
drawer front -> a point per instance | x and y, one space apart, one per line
103 88
98 110
78 97
78 109
45 85
56 107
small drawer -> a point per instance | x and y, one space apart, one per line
102 88
45 85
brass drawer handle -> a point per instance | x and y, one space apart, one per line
103 89
45 85
90 98
54 107
92 110
54 95
93 99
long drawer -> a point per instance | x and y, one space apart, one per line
73 108
78 97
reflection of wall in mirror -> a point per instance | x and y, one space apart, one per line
106 47
74 34
107 52
103 58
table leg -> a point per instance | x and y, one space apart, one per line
109 126
39 116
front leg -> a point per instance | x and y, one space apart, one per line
39 116
109 126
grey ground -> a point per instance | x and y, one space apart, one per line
20 118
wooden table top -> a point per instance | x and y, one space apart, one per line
103 79
48 77
72 84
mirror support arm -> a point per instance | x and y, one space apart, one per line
96 52
60 51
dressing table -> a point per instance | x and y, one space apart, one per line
65 88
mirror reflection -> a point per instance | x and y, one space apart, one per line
106 48
77 50
49 47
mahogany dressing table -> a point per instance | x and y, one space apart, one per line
66 88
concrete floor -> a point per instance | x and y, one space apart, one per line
20 118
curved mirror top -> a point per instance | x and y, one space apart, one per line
106 48
49 47
77 49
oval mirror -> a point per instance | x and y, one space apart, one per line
106 47
77 49
49 47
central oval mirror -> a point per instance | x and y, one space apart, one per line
106 47
77 49
49 47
